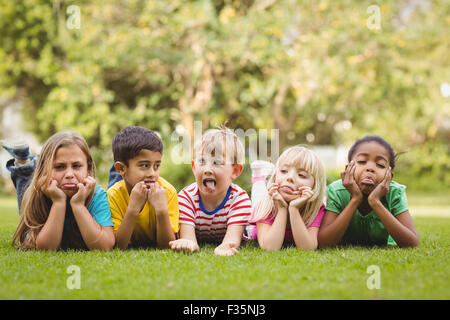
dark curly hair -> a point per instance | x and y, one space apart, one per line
380 141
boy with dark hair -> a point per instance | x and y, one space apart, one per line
144 206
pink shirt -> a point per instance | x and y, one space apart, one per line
288 237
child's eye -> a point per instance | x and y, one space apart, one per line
283 171
379 165
144 165
301 175
201 161
59 167
157 166
361 161
217 162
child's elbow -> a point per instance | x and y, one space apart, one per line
267 246
108 244
413 244
308 246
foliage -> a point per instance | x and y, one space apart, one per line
311 69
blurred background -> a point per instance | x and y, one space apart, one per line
322 72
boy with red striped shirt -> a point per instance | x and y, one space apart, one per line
214 209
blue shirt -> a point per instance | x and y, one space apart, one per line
98 208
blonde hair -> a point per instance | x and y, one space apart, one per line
221 141
306 159
35 206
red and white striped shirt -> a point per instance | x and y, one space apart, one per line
212 226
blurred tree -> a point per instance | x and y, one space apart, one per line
312 69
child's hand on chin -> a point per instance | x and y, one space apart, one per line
382 188
305 194
84 190
276 196
348 181
54 192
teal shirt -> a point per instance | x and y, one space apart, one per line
98 209
366 229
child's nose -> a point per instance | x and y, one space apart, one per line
207 168
151 172
370 166
290 176
69 173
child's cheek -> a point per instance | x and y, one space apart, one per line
81 176
56 176
357 173
380 175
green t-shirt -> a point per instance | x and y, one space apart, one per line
366 229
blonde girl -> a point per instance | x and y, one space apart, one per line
292 209
63 207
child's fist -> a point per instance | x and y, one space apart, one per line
226 249
54 192
157 198
85 188
185 245
276 196
138 196
305 194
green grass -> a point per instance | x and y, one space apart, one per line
341 273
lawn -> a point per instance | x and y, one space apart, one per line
420 273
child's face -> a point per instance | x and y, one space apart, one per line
289 178
143 167
69 168
372 162
214 175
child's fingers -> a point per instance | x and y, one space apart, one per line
272 188
388 177
345 174
53 184
352 172
140 188
232 249
90 181
175 245
303 189
182 245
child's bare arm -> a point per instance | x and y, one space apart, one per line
271 237
158 199
187 241
304 238
50 236
401 227
334 225
94 235
231 241
138 197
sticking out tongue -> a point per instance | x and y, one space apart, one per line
210 185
